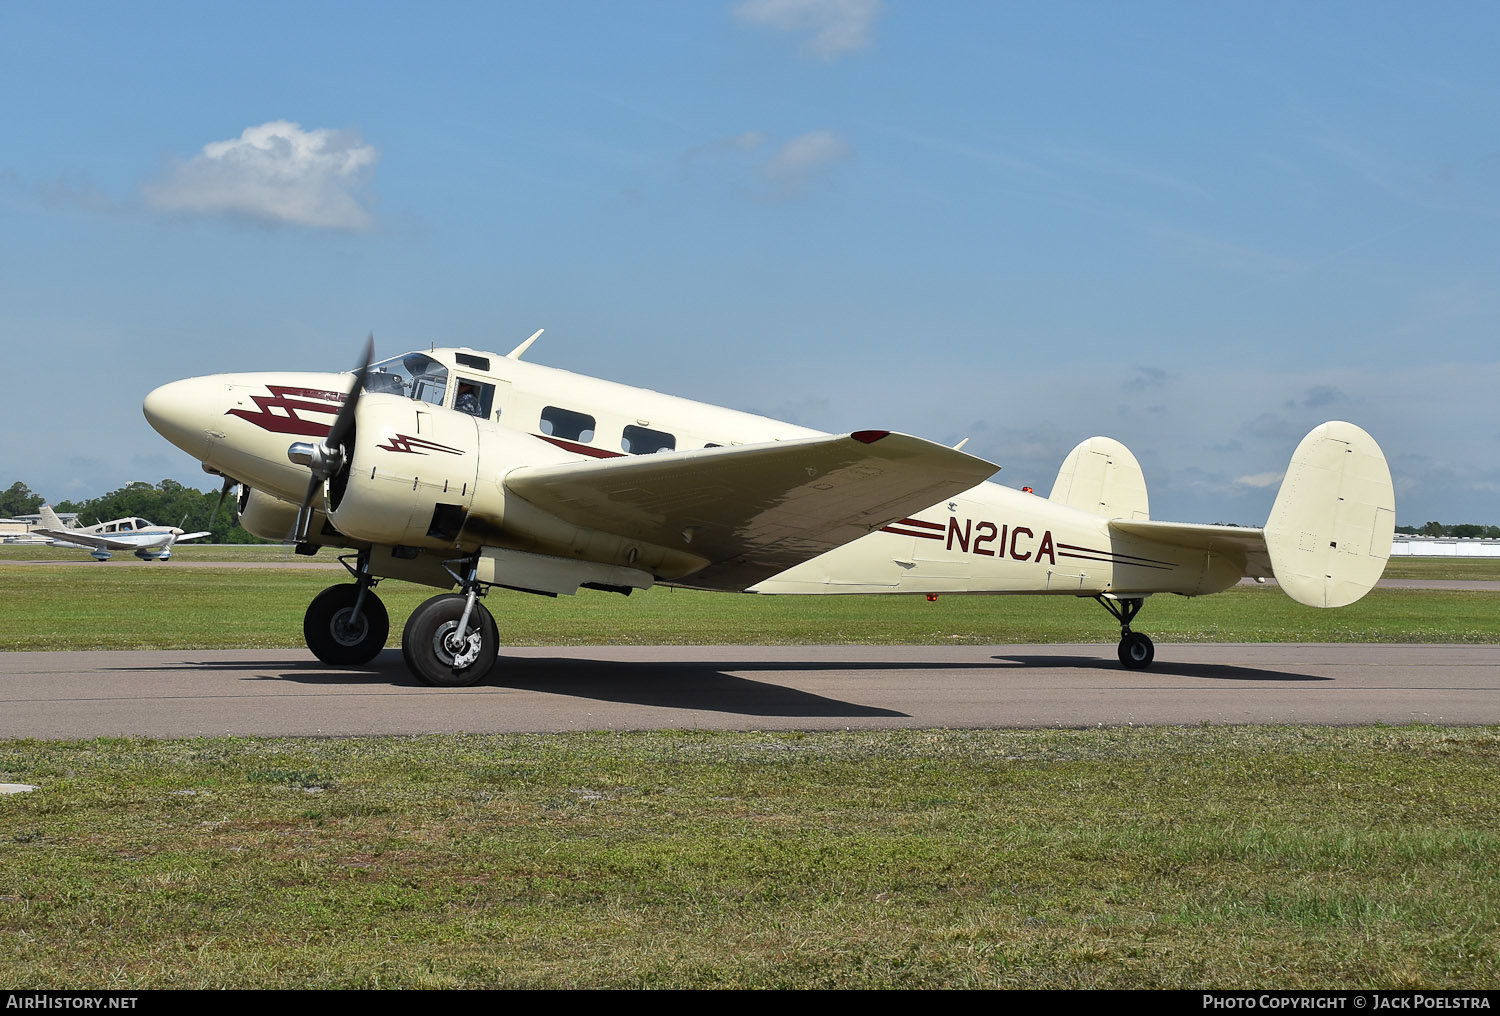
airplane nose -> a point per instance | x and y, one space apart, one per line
180 412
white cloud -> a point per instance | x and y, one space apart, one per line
794 162
837 26
745 142
278 173
1259 480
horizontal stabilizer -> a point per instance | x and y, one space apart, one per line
754 510
1241 543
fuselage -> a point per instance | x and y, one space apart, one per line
142 538
989 539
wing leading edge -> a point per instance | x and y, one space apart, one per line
754 510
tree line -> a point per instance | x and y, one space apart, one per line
170 503
167 503
1468 530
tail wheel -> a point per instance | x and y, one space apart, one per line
1136 651
439 654
336 636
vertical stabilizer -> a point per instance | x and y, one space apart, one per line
50 519
1102 477
1329 534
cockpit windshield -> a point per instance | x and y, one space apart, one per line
414 375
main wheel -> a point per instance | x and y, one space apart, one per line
333 633
1136 651
438 654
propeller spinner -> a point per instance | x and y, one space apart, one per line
325 458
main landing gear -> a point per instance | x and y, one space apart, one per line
451 640
1136 649
347 625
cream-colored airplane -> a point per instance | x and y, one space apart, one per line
145 540
463 469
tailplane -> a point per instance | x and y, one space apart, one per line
1329 535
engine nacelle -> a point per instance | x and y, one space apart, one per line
414 479
410 478
266 515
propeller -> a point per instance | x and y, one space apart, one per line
213 519
325 458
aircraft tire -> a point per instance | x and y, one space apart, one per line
325 626
1136 651
429 649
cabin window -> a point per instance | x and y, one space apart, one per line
642 441
474 397
567 425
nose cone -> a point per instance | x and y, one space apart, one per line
181 412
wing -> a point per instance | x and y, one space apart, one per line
84 539
754 510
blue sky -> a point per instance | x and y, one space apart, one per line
1198 228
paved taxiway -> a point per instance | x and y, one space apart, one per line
187 693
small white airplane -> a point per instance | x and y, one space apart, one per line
148 542
460 468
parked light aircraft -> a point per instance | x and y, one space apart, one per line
463 469
148 542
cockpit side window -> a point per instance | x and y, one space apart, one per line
474 397
566 424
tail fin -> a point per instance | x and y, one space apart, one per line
1101 476
50 519
1329 534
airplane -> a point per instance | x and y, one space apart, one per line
462 469
148 542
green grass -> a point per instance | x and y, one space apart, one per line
201 609
1471 568
1165 857
87 607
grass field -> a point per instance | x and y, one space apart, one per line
88 607
1128 858
1165 857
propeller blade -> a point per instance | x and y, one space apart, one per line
304 513
327 457
223 493
344 422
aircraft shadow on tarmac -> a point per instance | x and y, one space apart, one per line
717 686
1212 671
677 685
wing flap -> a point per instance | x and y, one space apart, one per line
754 510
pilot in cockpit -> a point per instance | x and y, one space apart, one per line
467 400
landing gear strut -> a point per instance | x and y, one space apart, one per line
1136 650
347 625
451 640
